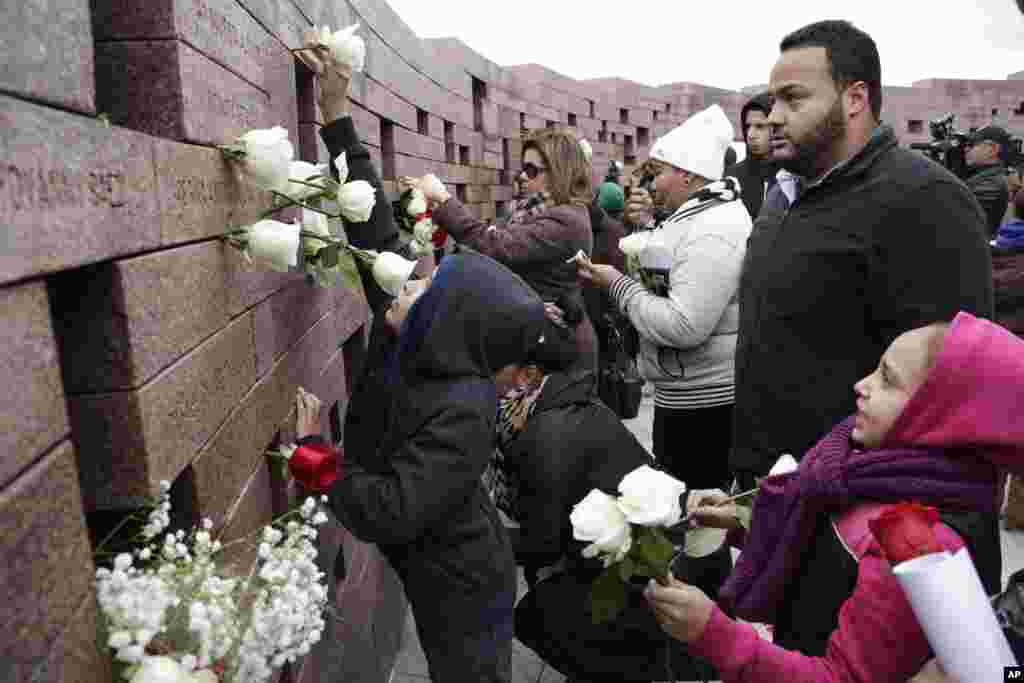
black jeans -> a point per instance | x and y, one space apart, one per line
693 444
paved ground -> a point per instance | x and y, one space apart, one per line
411 666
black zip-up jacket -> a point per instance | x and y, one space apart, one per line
571 444
884 243
991 189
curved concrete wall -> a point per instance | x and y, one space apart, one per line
138 348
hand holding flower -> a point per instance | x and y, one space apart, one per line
307 414
682 610
709 508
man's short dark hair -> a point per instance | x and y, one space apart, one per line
852 55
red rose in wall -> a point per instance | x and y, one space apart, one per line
314 466
906 531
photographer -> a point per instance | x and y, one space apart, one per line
687 324
984 153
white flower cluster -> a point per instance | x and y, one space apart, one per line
134 603
160 517
287 616
199 616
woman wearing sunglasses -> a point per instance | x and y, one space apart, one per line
549 226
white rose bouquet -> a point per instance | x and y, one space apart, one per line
627 533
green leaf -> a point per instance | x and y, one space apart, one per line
104 119
607 596
349 271
744 514
626 568
703 541
655 549
329 255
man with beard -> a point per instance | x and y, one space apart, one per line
984 155
756 173
876 240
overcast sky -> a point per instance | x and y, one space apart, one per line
728 44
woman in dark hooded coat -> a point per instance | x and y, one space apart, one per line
419 497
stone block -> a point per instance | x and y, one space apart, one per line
170 90
32 412
131 440
477 193
46 52
220 29
384 103
415 166
77 656
200 194
252 509
71 191
284 317
124 321
367 125
413 144
47 569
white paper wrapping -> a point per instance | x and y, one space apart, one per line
949 602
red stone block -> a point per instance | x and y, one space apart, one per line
201 194
168 89
71 191
236 450
413 144
124 321
284 317
220 29
77 656
416 167
47 569
252 510
46 53
134 439
492 160
382 102
32 413
367 125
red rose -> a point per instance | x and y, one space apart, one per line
905 531
314 466
440 237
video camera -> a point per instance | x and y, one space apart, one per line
948 146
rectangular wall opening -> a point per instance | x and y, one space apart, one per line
479 95
387 149
449 142
422 122
623 116
464 155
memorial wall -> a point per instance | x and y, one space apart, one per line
139 347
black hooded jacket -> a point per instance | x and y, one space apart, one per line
755 175
420 498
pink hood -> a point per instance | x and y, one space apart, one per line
973 398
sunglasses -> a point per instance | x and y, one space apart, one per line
532 170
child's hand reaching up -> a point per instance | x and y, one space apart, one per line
307 414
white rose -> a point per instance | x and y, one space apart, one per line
418 203
315 222
391 271
423 231
356 200
784 465
274 244
418 249
651 497
633 245
588 151
303 170
268 157
599 520
160 670
346 47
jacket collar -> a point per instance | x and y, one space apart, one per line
882 140
562 389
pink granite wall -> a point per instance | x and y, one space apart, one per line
137 347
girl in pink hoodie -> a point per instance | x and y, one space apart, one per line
938 422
